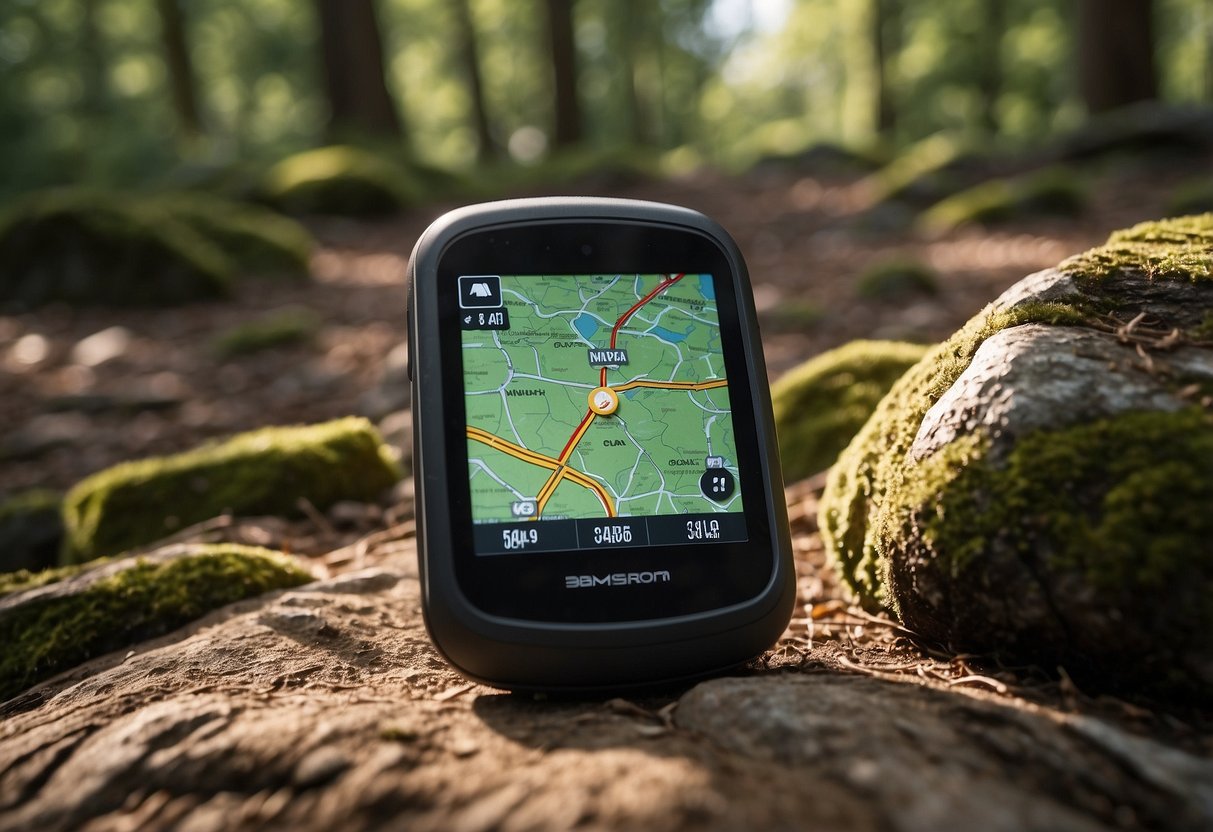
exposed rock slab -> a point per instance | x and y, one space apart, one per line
326 707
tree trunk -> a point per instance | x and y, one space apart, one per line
180 66
1116 53
352 53
886 43
564 72
469 56
990 63
629 25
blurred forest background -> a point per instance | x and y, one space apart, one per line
887 167
119 92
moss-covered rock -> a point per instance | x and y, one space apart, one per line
31 530
1055 192
87 247
340 180
267 471
1038 485
52 626
284 327
820 404
897 279
255 239
103 247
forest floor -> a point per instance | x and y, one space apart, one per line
162 388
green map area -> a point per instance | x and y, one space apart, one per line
536 446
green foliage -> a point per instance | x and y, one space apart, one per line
1055 192
267 471
44 636
341 180
281 328
30 529
104 247
897 279
821 404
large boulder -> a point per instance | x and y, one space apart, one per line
47 627
1039 485
822 403
267 471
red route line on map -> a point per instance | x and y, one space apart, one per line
583 425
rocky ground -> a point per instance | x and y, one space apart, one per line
327 706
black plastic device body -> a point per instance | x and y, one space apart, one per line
589 617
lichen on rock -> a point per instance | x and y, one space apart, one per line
820 404
1038 485
47 627
267 471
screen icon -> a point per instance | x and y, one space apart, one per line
717 484
479 291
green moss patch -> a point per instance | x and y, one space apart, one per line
897 279
284 327
1055 192
1117 506
820 405
30 530
46 635
1176 248
267 471
340 180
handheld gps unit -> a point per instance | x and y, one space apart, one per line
599 501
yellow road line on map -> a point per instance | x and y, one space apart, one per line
519 452
505 446
671 385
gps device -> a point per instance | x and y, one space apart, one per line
599 500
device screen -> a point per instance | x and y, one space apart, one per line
598 413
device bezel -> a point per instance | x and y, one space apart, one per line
522 652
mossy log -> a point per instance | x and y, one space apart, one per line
267 471
1038 486
47 627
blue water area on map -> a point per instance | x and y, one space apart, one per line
706 287
628 394
669 335
585 325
